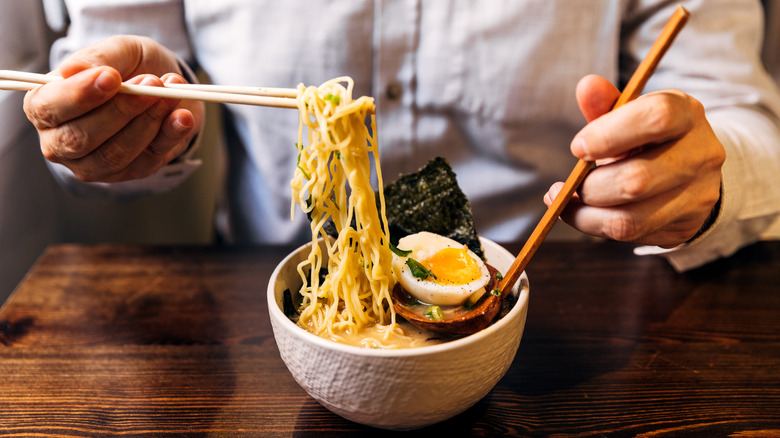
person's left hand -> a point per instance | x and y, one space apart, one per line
658 166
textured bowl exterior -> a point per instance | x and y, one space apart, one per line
398 389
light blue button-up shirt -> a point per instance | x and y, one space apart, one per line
487 84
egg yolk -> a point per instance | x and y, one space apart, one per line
453 266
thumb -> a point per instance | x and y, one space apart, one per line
596 96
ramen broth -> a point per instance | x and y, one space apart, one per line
374 336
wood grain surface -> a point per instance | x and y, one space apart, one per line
137 341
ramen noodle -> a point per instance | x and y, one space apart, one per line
347 288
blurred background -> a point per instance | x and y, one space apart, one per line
36 212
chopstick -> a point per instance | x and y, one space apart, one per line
581 169
235 89
273 97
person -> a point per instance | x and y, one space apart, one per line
687 170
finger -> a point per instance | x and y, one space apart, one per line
652 119
169 144
176 132
552 192
110 160
661 220
171 141
57 102
642 176
595 96
176 127
81 136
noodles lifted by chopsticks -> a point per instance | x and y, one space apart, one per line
332 180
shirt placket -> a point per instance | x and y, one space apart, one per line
396 36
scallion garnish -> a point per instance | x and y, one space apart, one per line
399 252
419 271
333 98
434 313
298 164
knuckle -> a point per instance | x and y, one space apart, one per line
666 115
110 159
622 227
659 117
157 112
157 151
38 112
697 108
716 158
69 142
122 110
49 154
635 180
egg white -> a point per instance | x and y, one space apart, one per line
422 246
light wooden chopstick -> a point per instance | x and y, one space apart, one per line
581 169
274 97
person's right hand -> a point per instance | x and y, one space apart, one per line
101 135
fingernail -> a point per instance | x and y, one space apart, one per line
578 148
180 127
173 79
554 190
106 82
149 80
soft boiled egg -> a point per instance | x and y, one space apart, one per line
456 272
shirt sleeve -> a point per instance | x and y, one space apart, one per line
716 59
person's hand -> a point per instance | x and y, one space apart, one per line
84 124
658 167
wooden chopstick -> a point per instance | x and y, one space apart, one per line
273 97
581 169
236 89
17 85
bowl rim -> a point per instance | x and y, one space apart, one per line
521 288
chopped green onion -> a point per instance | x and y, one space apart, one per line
419 270
496 292
434 313
298 164
499 276
333 98
399 252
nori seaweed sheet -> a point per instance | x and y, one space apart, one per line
430 200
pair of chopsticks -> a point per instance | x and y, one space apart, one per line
273 97
581 169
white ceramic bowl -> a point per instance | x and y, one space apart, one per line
397 389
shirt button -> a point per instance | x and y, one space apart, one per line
393 91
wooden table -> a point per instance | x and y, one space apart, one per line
115 340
